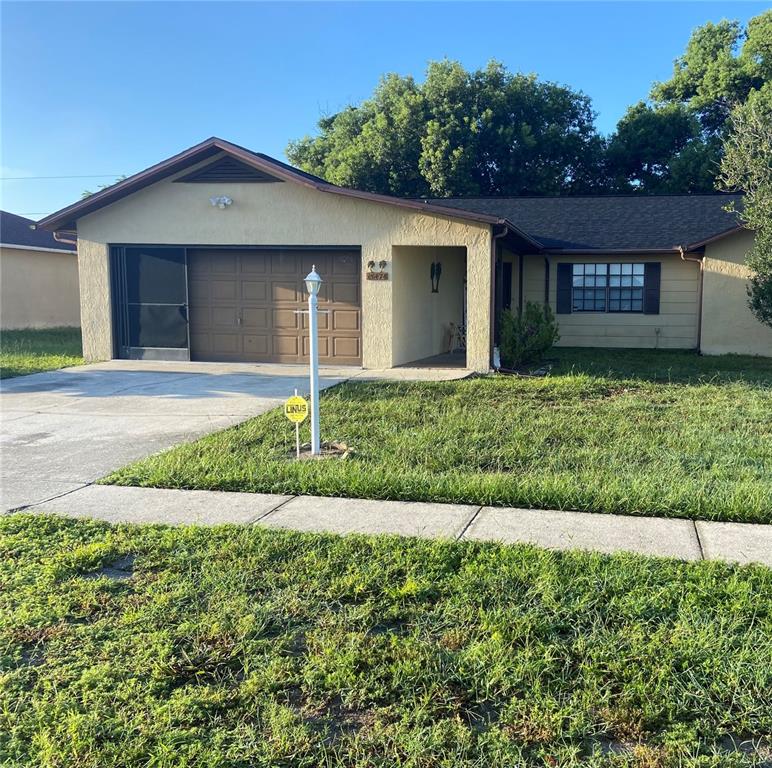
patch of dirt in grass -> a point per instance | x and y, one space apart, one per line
117 570
328 450
34 640
625 724
394 627
481 715
749 745
330 717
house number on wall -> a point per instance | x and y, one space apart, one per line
371 274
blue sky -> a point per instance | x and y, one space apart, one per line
110 88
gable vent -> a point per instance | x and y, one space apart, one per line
227 169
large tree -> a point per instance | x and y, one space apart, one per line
674 143
487 132
658 150
747 166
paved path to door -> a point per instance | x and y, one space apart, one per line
682 539
65 429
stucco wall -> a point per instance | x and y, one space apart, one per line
283 214
727 323
676 321
95 314
420 317
38 289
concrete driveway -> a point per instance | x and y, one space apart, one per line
65 429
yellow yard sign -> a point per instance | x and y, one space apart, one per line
296 409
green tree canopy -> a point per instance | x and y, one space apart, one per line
722 65
661 150
747 166
486 132
674 143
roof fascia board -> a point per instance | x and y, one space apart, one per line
720 236
608 251
36 248
68 216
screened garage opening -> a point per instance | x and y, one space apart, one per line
234 304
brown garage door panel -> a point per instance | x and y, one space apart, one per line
244 305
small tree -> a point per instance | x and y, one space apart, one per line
87 192
528 337
747 166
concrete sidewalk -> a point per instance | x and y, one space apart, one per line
677 538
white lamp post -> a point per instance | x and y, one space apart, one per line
313 283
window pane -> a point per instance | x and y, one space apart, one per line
637 305
578 269
638 280
638 269
601 269
614 269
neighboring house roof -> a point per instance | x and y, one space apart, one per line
15 232
66 219
612 222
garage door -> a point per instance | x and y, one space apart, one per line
243 305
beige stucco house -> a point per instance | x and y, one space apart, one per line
203 255
38 277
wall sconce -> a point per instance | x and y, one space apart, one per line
221 201
370 265
436 271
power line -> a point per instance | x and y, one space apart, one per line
91 176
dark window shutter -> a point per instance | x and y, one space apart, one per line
563 306
651 279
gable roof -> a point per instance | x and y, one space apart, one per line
612 222
16 231
66 219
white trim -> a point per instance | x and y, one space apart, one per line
35 248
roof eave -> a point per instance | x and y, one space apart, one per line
608 251
713 238
66 218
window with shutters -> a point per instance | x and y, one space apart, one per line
607 287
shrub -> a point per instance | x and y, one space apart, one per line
528 337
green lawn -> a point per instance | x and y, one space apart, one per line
33 351
666 433
244 647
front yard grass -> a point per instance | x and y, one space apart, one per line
33 351
238 646
641 433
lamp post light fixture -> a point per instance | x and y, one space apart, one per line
313 283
